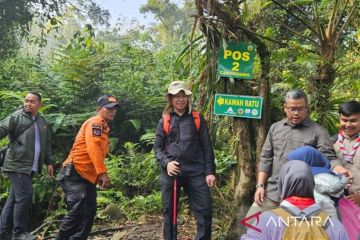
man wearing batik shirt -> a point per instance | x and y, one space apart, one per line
347 145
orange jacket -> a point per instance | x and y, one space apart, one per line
90 148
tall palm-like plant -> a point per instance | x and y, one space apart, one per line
321 29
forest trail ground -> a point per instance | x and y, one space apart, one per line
148 228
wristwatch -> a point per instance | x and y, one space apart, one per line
260 185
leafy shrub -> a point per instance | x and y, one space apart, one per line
134 173
141 205
111 195
148 139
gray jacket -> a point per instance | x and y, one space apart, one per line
281 139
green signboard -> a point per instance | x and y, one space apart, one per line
238 106
236 60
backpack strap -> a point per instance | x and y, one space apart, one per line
324 217
13 137
196 116
285 215
166 123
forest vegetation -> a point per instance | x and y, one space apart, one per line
68 51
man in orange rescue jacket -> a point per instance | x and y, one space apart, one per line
84 168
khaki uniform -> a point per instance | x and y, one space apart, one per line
354 167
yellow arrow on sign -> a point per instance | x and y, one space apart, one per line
220 101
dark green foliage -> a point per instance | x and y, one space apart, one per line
81 62
16 17
143 204
134 173
224 162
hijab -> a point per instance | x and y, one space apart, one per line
296 179
318 162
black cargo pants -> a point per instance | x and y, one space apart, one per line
80 198
199 197
15 212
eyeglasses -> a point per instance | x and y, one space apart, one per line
296 109
179 96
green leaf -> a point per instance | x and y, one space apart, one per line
58 121
135 123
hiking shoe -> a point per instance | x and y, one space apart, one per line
24 236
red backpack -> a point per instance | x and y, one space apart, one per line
166 121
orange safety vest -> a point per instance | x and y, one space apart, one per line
90 148
167 118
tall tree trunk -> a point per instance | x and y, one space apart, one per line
265 94
248 139
243 174
320 90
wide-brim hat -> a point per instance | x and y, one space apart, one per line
174 88
177 86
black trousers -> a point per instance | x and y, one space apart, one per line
15 212
200 202
80 197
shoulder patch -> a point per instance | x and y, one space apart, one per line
96 129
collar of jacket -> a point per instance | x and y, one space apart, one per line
104 123
172 112
306 123
28 115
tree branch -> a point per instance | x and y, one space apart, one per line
191 42
295 32
330 28
297 8
96 232
43 225
248 31
346 22
296 17
321 32
341 14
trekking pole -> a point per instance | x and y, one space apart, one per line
175 209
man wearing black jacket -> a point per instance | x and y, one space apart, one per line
30 147
185 150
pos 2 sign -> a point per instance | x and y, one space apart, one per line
236 60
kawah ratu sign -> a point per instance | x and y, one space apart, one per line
236 60
238 106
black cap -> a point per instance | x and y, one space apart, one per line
108 101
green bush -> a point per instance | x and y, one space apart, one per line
142 205
134 173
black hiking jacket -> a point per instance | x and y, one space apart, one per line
20 154
191 147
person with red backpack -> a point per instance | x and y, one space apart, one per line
184 151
